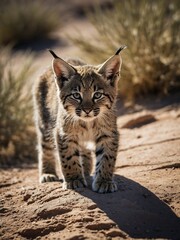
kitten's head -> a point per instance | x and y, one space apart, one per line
86 91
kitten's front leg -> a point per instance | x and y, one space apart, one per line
70 163
106 153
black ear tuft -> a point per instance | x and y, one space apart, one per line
53 53
120 49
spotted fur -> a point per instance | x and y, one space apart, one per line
75 120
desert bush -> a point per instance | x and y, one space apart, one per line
22 20
16 121
150 29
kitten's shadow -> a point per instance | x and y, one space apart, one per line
137 211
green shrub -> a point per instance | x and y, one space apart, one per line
17 141
22 21
150 29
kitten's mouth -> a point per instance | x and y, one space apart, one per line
87 118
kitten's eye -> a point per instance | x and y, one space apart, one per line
76 95
97 95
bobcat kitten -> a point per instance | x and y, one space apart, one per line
74 105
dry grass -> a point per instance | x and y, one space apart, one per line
150 29
25 20
17 141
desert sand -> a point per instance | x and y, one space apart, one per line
146 206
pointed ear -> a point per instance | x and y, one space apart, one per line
62 70
110 69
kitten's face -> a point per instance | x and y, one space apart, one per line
87 95
87 92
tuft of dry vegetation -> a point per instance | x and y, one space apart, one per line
17 139
22 21
150 29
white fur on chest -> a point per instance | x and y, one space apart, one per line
86 137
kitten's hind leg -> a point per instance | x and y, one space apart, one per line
45 120
46 156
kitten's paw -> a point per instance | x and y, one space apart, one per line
102 186
47 177
75 183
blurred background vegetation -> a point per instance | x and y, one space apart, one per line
149 28
16 123
23 21
151 31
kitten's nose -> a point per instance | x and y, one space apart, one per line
87 110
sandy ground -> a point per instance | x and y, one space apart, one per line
146 206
